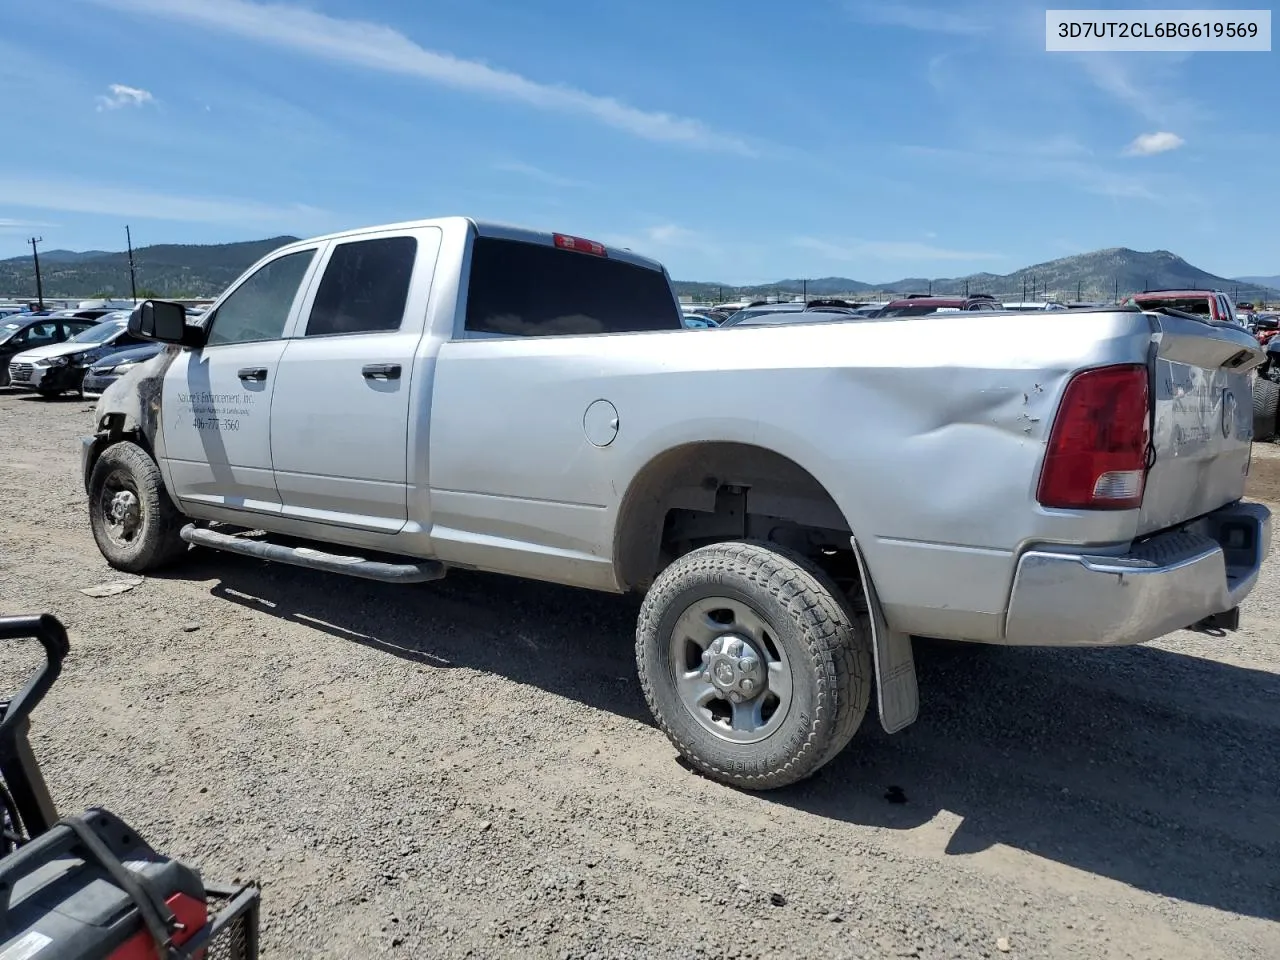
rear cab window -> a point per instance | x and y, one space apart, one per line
522 289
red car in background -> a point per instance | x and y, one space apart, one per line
1213 304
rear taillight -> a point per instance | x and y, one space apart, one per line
1097 456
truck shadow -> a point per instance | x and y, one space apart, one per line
1151 768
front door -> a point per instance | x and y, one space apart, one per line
340 414
216 404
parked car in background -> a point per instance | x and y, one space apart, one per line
113 366
698 319
21 332
759 309
921 305
1023 306
57 367
801 316
1213 304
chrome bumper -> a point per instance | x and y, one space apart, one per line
1165 583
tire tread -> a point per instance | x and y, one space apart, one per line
838 639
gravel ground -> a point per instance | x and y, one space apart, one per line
467 768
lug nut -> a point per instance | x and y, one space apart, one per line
747 686
735 696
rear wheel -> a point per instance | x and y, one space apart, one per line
752 663
133 520
47 392
1266 405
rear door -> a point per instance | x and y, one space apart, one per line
1203 420
340 413
216 403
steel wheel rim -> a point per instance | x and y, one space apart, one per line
729 670
121 508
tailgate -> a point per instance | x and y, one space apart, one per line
1203 390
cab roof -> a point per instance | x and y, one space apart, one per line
484 228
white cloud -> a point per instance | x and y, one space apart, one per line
122 96
378 47
960 22
1052 161
661 237
536 173
81 197
1149 144
8 224
855 249
1147 87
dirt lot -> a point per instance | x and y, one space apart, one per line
467 768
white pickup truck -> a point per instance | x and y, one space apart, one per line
795 501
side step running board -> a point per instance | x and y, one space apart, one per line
419 572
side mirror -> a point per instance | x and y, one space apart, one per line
164 322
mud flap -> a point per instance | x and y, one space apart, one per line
897 694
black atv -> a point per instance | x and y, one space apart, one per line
89 887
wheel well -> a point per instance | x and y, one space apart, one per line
112 428
703 493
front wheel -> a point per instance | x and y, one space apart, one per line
752 663
133 520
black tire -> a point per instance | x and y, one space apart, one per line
1266 404
825 643
4 374
47 393
145 540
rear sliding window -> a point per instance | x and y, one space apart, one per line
530 290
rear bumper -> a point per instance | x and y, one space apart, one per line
1165 583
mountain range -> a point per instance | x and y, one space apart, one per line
1272 282
1100 275
204 270
168 269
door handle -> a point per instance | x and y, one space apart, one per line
253 374
381 371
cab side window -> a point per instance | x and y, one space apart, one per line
259 308
40 334
364 288
71 328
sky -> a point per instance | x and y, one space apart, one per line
738 141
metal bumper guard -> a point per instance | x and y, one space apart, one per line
1167 582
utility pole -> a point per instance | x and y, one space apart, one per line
133 281
1024 288
804 290
1078 297
966 289
931 288
1117 300
35 255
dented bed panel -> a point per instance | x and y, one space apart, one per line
927 433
